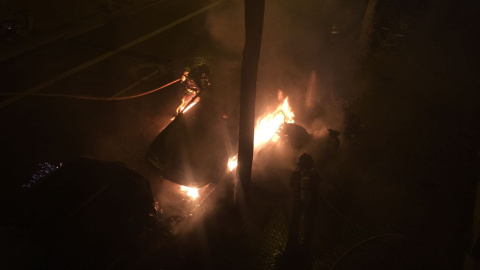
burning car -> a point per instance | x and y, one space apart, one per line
199 146
193 150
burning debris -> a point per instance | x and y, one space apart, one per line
196 148
190 191
181 201
269 126
232 163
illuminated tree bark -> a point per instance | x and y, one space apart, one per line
254 13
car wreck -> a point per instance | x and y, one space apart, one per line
200 145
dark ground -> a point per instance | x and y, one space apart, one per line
399 194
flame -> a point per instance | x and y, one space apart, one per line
191 105
232 163
265 131
186 104
267 127
190 191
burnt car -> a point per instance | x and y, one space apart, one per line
193 150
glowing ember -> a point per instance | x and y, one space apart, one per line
232 163
186 104
267 127
191 105
191 192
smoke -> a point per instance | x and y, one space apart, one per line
226 26
309 52
300 56
295 58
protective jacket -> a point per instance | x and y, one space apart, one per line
304 183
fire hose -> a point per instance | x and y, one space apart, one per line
93 98
368 240
338 213
363 242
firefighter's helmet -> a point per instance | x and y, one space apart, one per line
305 161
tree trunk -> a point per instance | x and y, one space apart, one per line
254 13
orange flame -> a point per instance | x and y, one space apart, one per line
232 163
267 127
190 191
186 104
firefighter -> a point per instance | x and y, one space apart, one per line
194 81
304 183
